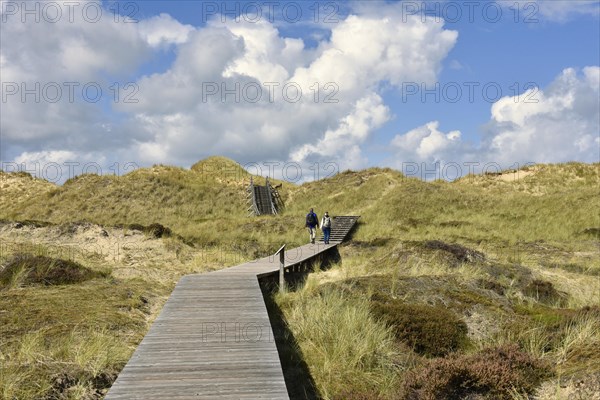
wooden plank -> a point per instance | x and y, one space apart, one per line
212 339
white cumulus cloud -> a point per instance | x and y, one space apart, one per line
164 30
343 143
192 108
427 142
559 123
47 66
563 125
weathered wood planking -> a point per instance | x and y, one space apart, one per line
213 339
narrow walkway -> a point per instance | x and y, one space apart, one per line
213 338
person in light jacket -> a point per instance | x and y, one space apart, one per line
326 227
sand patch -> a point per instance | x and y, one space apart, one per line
128 253
514 176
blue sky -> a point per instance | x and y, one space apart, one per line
174 48
506 53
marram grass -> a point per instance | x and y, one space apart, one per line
71 340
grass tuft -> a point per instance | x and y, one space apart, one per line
26 269
342 342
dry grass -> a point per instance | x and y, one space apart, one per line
520 226
342 342
57 337
84 357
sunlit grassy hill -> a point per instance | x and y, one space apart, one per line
546 202
17 189
198 203
499 271
474 208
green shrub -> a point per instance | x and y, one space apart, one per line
544 292
154 230
491 285
136 227
594 232
431 331
157 230
494 373
458 252
26 269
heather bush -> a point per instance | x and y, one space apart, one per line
431 331
494 373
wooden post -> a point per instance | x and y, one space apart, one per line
281 270
281 253
270 195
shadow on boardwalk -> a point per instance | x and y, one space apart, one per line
299 382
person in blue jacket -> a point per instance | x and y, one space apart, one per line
312 222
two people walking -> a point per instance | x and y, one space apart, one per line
312 223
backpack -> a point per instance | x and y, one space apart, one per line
326 222
311 219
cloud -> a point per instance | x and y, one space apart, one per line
563 125
554 10
231 89
343 143
172 121
78 48
163 30
558 124
58 165
562 11
455 65
427 143
176 117
185 112
69 67
44 157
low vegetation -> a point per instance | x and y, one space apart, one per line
428 330
484 288
26 269
498 373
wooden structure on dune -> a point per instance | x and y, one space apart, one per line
263 199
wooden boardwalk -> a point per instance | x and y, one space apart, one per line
212 339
